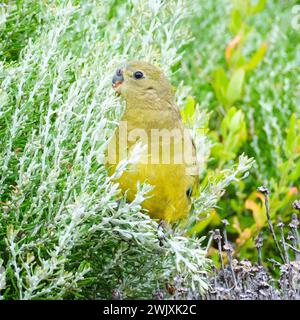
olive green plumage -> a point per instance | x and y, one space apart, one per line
150 105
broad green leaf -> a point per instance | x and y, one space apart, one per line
218 151
190 106
241 6
234 90
258 7
257 57
236 121
295 175
226 122
188 111
220 84
213 218
236 22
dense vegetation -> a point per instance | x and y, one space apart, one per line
64 231
255 49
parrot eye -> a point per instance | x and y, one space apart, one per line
138 75
189 192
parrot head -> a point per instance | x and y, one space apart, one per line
141 79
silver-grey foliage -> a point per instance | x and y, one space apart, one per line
63 232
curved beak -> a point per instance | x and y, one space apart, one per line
117 79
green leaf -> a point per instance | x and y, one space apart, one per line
234 90
295 175
236 22
220 83
188 111
213 218
225 124
260 6
236 121
241 6
256 58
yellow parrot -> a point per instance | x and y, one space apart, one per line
169 160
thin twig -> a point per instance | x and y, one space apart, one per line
218 237
258 245
209 241
281 225
265 192
294 228
293 248
228 248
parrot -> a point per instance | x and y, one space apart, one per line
169 162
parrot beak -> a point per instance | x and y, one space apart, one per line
117 79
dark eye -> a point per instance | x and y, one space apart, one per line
138 75
189 192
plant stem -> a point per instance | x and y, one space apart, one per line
265 192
